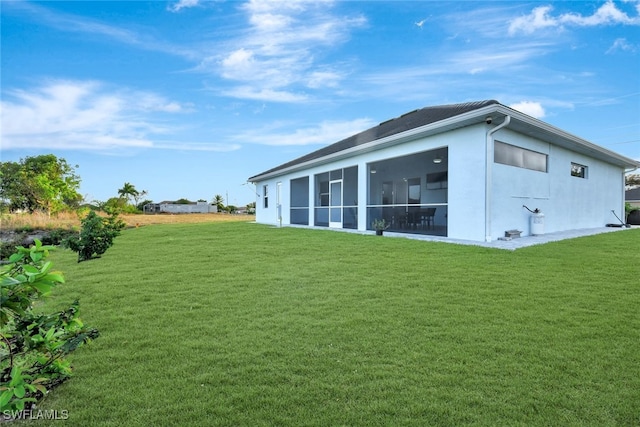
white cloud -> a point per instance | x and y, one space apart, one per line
182 4
533 109
150 102
319 79
83 25
537 19
196 146
270 21
474 61
268 6
621 44
541 17
81 115
239 65
325 133
280 47
249 92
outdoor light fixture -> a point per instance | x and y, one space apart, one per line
437 160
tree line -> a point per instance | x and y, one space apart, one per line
49 184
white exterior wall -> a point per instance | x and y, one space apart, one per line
567 202
201 207
269 214
466 184
467 164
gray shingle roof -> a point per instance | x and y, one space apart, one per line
411 120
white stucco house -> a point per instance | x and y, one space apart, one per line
463 171
179 208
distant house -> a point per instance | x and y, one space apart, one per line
179 208
462 171
633 197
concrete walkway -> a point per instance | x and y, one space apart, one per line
511 245
521 242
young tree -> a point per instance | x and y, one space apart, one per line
96 235
34 345
43 183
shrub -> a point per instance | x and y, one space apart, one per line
96 235
33 346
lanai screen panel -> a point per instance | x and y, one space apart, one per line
410 192
300 201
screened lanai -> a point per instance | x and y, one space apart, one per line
410 192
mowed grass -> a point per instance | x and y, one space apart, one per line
241 324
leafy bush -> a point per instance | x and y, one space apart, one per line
33 346
96 235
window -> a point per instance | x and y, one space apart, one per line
511 155
437 180
265 195
579 171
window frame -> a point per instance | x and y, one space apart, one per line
265 195
519 157
579 170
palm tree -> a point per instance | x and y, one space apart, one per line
128 191
219 202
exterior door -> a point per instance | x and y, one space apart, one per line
335 204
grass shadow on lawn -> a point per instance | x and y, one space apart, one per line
244 324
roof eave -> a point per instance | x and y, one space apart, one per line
566 139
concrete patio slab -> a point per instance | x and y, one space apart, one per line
521 242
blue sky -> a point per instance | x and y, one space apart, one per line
187 99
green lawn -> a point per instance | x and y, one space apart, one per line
240 324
